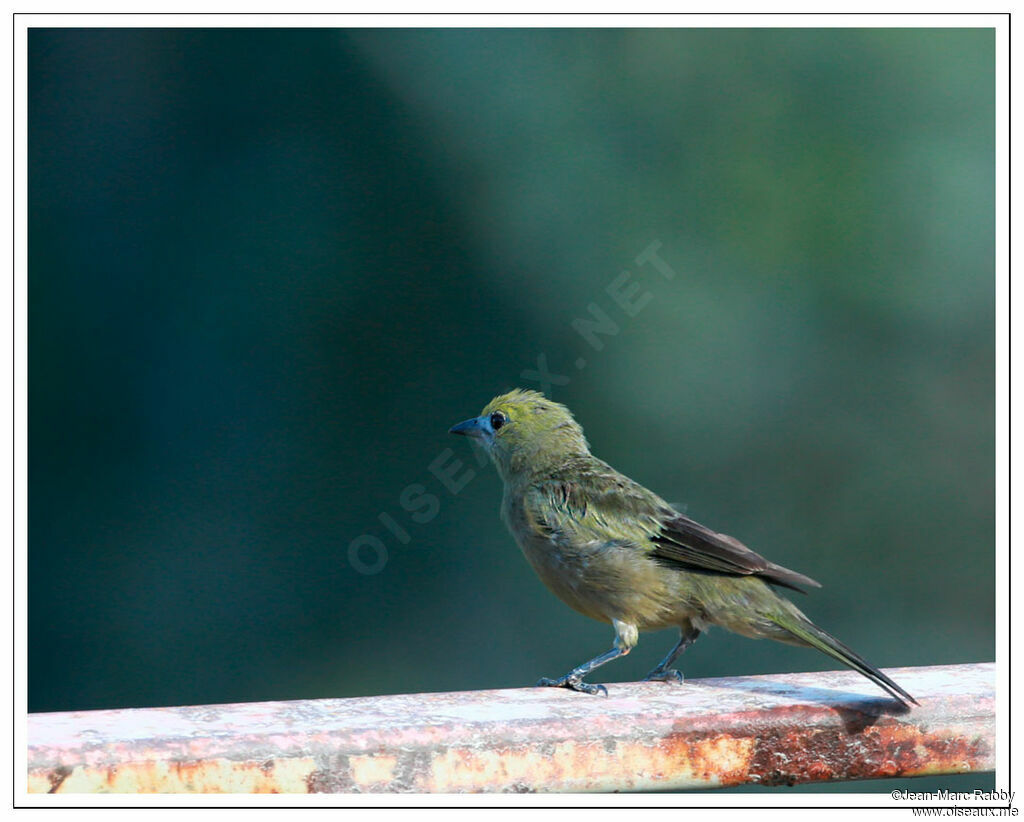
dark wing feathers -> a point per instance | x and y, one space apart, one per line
589 498
685 542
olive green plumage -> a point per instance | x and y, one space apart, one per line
619 553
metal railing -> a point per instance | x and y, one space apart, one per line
779 729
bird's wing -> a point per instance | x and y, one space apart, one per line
596 503
688 543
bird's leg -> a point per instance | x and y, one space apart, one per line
574 679
625 638
664 671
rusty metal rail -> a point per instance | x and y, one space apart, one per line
771 730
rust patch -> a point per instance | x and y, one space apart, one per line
798 756
582 765
711 759
212 776
56 778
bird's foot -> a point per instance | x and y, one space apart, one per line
664 675
572 683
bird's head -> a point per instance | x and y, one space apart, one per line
524 432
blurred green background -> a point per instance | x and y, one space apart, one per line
270 268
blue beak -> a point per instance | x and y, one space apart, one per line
469 428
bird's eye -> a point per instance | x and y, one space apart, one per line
497 420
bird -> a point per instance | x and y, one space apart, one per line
618 553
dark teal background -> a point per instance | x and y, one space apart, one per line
269 268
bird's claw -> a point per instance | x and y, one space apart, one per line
573 684
665 675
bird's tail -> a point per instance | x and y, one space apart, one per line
807 633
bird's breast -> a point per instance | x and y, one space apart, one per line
562 566
602 579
